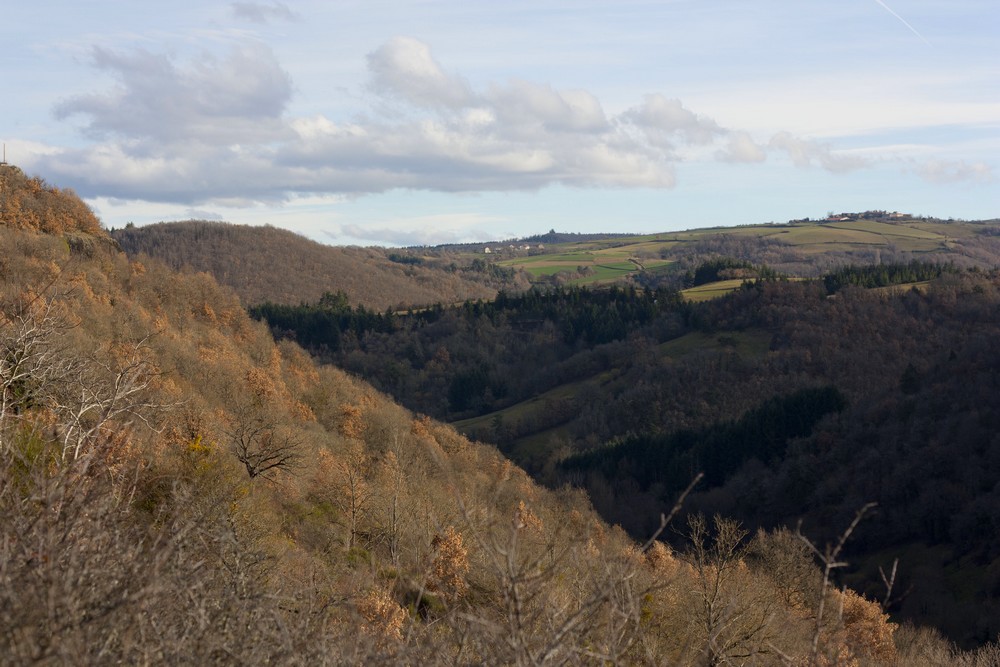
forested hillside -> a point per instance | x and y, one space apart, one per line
267 264
798 400
28 202
176 487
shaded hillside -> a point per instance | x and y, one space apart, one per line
797 399
917 435
267 264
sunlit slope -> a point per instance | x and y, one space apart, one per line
608 260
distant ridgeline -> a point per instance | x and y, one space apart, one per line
551 237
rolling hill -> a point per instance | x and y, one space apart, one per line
176 486
802 248
628 393
267 264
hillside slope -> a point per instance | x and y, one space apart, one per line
797 399
800 248
267 264
177 488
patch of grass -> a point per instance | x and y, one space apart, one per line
886 229
528 408
712 290
826 234
903 287
752 343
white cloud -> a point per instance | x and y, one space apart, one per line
662 119
806 153
217 132
527 109
258 12
955 171
203 214
420 230
240 97
404 66
742 148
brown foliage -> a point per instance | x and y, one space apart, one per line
269 264
29 203
450 564
866 628
351 424
153 546
382 615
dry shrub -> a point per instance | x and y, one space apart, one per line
382 615
450 564
868 630
351 423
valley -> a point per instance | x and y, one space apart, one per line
179 457
695 331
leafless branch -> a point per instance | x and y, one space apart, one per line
829 559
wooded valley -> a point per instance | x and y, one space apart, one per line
178 484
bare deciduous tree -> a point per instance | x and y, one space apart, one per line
734 611
101 392
31 358
260 443
830 559
84 394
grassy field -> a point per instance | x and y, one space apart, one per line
533 406
600 265
533 448
612 259
903 287
711 290
749 344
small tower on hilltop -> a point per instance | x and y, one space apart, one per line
3 160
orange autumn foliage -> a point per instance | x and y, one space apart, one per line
29 203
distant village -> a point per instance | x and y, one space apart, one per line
874 215
510 249
880 216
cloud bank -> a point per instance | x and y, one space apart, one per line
217 131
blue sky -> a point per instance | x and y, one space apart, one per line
424 122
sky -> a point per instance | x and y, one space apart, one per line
376 122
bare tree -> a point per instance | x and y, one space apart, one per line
734 612
830 559
40 371
355 491
260 443
31 356
101 392
602 622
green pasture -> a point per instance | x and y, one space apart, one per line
904 236
654 246
712 290
825 234
528 408
749 344
534 448
656 265
947 230
886 229
609 258
608 264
